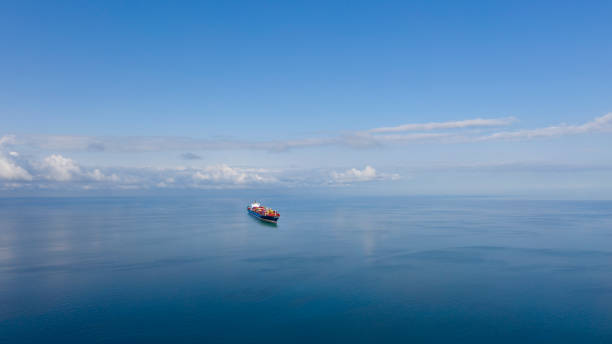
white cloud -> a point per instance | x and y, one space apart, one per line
9 170
355 175
599 124
477 122
226 174
98 176
414 137
59 168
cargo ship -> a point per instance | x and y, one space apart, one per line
263 213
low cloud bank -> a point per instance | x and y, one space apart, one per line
62 173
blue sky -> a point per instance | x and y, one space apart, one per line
160 95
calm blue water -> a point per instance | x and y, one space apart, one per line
197 270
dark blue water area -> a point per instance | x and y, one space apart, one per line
355 270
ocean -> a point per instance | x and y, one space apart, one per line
198 269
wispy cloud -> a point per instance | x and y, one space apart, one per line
423 137
512 167
468 123
599 124
377 137
156 144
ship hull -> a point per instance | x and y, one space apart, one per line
265 218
